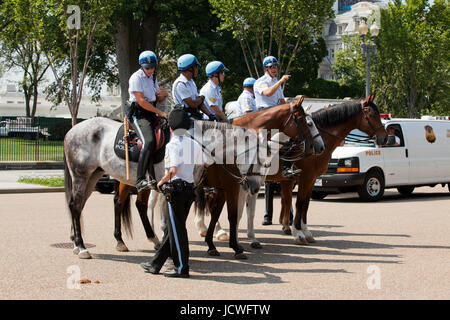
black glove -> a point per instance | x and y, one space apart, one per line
212 117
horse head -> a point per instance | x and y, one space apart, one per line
370 121
306 129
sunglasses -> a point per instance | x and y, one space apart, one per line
273 67
148 68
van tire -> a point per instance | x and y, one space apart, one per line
406 190
373 187
318 195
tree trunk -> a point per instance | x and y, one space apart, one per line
133 37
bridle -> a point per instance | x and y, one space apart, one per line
298 143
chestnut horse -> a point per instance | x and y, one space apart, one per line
290 119
334 124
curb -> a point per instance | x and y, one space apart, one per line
32 190
21 165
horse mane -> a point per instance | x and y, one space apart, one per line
336 113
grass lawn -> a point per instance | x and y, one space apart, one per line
49 182
17 149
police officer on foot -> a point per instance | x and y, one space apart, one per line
215 71
268 93
144 93
184 90
182 153
246 101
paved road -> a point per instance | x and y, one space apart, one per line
398 248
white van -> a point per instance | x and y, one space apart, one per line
421 159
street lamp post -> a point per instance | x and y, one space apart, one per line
368 49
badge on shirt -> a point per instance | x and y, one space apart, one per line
213 100
263 85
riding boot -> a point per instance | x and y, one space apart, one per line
141 182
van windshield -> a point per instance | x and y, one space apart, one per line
358 135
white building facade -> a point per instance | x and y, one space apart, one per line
349 14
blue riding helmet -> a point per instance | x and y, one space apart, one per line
186 61
249 82
147 59
215 67
270 61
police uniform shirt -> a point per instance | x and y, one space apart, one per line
183 153
183 88
213 95
262 84
246 103
139 82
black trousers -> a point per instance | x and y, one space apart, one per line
142 123
175 242
269 190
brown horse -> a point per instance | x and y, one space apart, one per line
334 124
289 119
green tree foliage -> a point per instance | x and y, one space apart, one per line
412 64
349 65
267 27
18 50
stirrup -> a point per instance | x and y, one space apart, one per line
145 184
289 172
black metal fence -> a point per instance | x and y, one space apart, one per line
38 139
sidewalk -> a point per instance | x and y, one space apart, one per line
9 178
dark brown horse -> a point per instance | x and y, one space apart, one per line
289 119
334 124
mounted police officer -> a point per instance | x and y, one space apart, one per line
182 153
268 93
215 71
246 101
184 90
144 93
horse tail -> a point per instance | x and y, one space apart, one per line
200 200
125 214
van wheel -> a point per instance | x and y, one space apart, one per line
406 190
318 195
373 187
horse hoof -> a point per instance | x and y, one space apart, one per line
255 245
287 230
223 236
240 256
84 254
202 233
301 241
76 250
122 247
310 239
214 253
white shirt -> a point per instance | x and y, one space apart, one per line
183 88
183 153
139 82
213 95
246 103
262 84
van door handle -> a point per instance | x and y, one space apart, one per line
406 152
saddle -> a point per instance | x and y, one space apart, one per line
135 142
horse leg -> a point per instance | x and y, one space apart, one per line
298 227
216 209
76 199
232 207
286 204
121 210
304 213
200 207
251 208
141 205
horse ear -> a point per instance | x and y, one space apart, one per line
366 101
299 101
